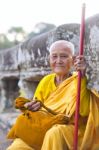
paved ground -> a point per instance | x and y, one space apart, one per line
4 143
7 119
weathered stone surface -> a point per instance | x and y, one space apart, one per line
8 92
9 59
7 119
92 52
4 143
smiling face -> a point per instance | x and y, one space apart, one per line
61 58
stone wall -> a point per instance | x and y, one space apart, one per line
24 65
92 52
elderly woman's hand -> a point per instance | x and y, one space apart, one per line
33 105
80 64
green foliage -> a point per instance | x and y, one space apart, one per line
16 30
41 28
19 32
4 42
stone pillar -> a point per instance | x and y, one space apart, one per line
8 92
3 95
27 88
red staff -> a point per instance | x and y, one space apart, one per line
82 30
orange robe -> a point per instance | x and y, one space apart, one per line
63 100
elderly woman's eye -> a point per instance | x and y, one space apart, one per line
64 56
54 56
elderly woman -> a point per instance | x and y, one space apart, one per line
58 91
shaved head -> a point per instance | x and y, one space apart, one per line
62 44
61 57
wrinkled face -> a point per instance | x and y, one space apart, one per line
61 60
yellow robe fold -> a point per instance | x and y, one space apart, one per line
63 100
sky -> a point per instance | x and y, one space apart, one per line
27 13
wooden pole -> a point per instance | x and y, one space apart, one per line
82 30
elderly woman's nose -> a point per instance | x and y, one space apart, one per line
59 59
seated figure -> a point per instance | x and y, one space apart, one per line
56 94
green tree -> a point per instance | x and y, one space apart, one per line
41 28
4 42
17 32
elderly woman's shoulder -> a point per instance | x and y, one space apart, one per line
46 79
49 76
